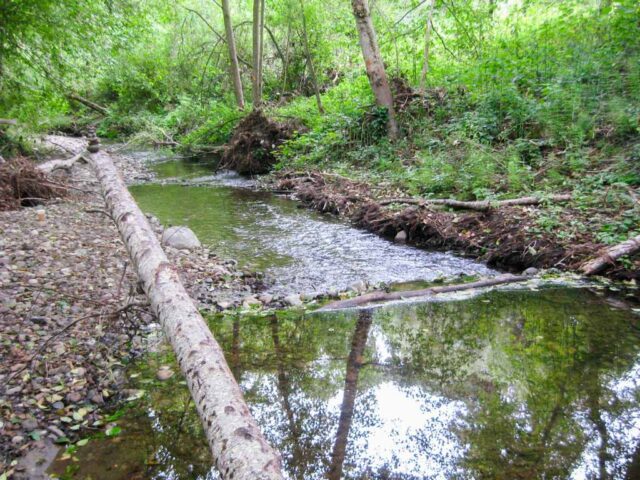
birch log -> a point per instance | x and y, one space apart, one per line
480 205
609 257
239 449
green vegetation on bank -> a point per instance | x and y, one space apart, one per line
521 95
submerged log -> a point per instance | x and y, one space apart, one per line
425 292
239 449
609 257
481 205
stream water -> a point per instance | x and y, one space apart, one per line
517 384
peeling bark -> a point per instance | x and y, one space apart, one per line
239 449
52 165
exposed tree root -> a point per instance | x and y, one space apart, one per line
22 183
381 296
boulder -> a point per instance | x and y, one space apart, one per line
401 237
293 300
180 238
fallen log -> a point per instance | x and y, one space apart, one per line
8 121
480 205
88 103
239 449
609 257
52 165
382 296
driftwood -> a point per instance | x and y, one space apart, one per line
88 103
52 165
628 247
382 296
481 205
238 446
6 121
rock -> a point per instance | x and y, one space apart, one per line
56 431
57 405
181 238
530 272
307 297
266 298
17 440
30 424
358 286
39 320
401 237
224 305
164 373
293 300
250 301
74 397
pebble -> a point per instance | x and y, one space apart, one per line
293 300
401 237
266 298
164 373
17 440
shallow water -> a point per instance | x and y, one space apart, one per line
298 251
510 384
520 384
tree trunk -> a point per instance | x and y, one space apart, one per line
88 103
234 68
307 50
427 44
612 254
374 64
425 292
239 449
480 205
258 12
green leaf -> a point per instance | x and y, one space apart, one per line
113 431
83 442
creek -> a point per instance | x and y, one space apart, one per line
511 383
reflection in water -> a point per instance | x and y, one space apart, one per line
509 385
354 363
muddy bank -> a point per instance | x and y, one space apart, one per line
508 238
71 317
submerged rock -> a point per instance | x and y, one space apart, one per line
181 238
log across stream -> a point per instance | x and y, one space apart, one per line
468 386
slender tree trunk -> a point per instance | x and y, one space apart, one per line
234 68
285 63
239 450
354 363
374 64
258 12
88 103
312 70
427 44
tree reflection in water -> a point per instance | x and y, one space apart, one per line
509 385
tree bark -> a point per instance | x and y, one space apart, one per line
374 64
234 68
481 205
307 50
239 450
425 292
609 257
52 165
427 44
257 53
88 103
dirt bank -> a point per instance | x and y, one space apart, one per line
508 238
71 316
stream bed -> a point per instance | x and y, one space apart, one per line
527 383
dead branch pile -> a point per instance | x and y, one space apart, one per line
23 184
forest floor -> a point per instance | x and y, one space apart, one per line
508 238
72 318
